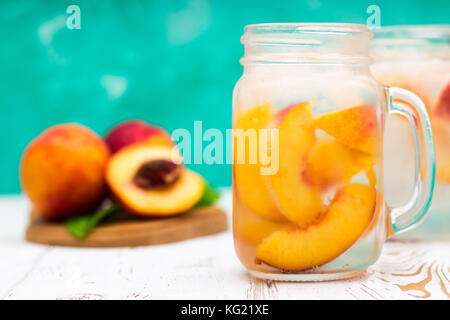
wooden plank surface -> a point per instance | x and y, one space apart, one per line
202 268
126 231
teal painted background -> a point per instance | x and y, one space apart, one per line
168 62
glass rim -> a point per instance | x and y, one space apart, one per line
307 27
306 40
424 31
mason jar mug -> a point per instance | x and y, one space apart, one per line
308 127
417 58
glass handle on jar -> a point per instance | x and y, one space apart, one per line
414 211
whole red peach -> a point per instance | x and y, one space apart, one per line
62 171
135 131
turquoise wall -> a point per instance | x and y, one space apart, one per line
168 62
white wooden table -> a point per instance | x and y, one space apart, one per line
203 268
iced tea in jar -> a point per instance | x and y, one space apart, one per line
417 58
308 124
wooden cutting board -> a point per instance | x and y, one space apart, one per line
123 230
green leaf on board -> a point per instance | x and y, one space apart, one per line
81 226
209 197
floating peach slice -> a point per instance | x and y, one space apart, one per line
248 179
297 197
283 113
331 163
354 127
347 217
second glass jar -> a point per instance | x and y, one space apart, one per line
417 58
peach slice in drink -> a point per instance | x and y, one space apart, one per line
331 163
355 127
296 196
251 189
254 229
348 215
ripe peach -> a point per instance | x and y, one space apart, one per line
354 127
135 131
348 215
149 180
62 171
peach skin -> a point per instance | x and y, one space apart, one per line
136 131
62 171
354 127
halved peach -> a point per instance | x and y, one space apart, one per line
248 179
331 163
355 127
151 181
295 194
347 217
